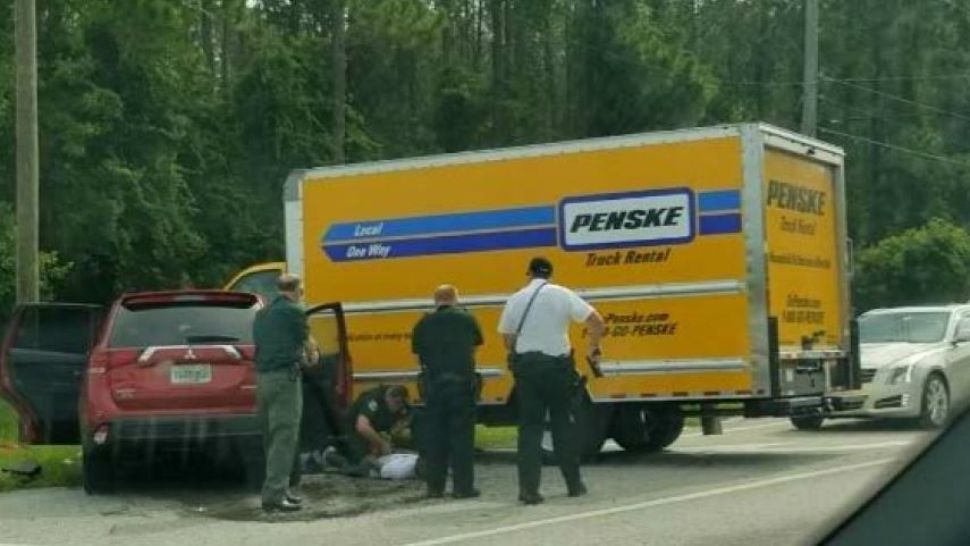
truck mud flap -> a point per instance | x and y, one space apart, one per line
855 356
846 374
774 358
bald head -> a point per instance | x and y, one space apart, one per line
289 286
445 294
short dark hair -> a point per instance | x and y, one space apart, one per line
398 392
540 267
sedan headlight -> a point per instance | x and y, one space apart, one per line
901 374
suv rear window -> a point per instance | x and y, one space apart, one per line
182 325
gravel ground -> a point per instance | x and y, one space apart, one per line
760 483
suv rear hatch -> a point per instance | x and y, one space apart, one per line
177 353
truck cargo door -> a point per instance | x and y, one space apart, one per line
806 268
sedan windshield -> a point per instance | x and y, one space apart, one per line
909 327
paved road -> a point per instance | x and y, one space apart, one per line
760 483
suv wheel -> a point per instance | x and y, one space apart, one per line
97 471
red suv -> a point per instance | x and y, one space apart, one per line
165 370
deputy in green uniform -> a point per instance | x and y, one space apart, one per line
535 325
373 417
280 333
445 342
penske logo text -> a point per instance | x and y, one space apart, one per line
796 198
629 219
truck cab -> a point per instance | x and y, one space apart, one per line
259 279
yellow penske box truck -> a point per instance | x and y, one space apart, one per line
717 256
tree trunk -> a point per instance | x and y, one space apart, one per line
499 69
207 38
479 32
226 55
548 62
448 33
338 55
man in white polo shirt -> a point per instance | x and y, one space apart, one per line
535 325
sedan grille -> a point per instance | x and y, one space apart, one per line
868 374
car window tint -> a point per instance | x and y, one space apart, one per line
180 325
916 327
54 329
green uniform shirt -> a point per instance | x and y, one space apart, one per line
445 341
279 332
373 405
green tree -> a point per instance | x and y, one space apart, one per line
52 269
169 127
929 264
629 71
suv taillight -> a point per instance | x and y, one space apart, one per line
103 360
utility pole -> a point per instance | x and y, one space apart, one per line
25 21
810 78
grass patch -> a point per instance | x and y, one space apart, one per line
8 424
495 437
61 465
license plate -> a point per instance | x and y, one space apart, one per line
190 374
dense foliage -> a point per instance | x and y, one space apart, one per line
168 126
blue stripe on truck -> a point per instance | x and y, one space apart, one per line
719 201
481 231
441 224
447 244
716 224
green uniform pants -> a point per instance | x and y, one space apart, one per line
544 384
356 451
449 435
279 400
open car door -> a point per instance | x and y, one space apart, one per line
42 365
328 329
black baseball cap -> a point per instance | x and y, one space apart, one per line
540 267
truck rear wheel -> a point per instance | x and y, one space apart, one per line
647 428
808 422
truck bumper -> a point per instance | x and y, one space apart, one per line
785 407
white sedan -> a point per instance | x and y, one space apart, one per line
915 364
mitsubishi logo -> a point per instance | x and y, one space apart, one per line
189 355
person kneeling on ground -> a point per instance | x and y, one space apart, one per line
373 418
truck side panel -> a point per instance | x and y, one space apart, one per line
669 279
690 353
